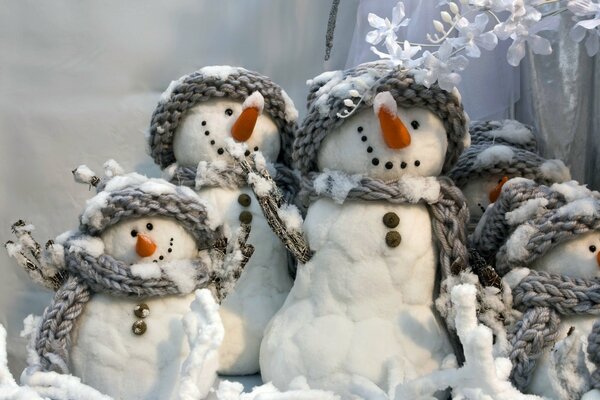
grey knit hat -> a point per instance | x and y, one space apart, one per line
489 159
133 195
529 219
217 82
508 132
331 94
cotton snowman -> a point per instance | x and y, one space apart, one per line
549 250
129 275
363 303
501 150
190 128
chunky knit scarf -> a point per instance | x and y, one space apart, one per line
89 274
543 298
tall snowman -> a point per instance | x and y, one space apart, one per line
381 225
190 127
547 243
127 280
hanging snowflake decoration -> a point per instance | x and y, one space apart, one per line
465 30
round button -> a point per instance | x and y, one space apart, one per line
245 217
244 200
391 220
139 327
141 310
393 239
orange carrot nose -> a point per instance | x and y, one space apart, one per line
495 192
394 131
244 125
144 246
598 258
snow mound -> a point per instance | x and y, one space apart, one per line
494 155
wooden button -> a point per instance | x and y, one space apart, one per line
245 217
244 200
393 239
391 220
141 310
139 327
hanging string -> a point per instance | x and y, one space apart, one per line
331 28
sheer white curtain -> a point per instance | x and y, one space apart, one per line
78 83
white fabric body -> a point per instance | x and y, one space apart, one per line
358 304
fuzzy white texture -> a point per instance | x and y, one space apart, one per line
168 173
30 330
337 183
515 276
512 131
324 77
112 169
220 71
482 377
291 113
291 217
586 207
528 210
555 171
493 155
208 172
89 244
299 390
83 174
572 190
515 245
237 149
255 100
417 188
63 237
358 303
166 95
262 187
204 331
339 87
385 100
53 258
55 386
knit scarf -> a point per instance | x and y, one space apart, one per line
544 298
445 202
89 274
226 175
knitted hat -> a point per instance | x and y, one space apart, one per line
133 195
508 132
217 82
337 92
488 159
529 219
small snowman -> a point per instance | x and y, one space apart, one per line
549 253
376 225
195 119
127 280
496 156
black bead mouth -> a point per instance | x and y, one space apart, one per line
161 257
376 161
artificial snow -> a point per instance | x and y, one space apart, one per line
386 101
515 245
166 95
290 215
573 190
291 113
220 71
555 171
112 169
255 100
149 270
94 246
83 174
181 272
337 183
494 155
586 207
515 276
528 210
261 186
334 84
417 188
512 131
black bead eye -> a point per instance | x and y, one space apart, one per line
415 124
593 248
360 129
149 226
229 112
134 233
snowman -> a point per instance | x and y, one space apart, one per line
189 131
550 256
501 152
362 305
128 279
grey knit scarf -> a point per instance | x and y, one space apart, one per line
544 297
88 274
232 176
448 208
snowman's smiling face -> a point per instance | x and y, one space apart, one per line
202 133
579 257
358 146
153 239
